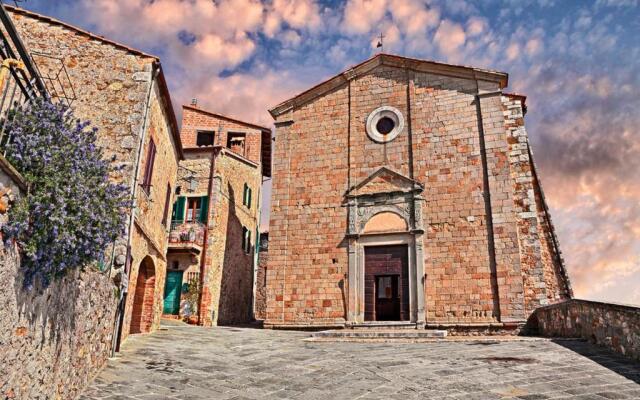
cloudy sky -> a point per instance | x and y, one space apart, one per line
578 63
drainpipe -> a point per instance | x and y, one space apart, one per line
125 279
203 256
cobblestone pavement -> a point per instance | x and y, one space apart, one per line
239 363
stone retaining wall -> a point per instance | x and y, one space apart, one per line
610 325
52 341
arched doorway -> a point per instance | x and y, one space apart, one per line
142 313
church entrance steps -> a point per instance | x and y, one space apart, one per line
380 325
485 340
381 334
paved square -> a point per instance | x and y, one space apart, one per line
186 362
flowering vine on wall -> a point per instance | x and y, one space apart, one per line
72 211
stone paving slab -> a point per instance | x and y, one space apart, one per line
191 363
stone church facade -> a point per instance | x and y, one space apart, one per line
405 190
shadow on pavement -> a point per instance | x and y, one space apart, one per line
617 363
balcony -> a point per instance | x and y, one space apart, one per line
187 237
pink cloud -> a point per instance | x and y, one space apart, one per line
450 37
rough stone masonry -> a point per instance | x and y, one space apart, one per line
430 157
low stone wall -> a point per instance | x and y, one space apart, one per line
610 325
52 341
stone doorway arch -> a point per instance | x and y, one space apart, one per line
143 300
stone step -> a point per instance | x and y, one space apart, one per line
380 334
379 325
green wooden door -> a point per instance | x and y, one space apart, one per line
172 291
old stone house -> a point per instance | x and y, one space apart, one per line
123 92
216 216
404 190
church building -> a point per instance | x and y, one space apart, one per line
405 193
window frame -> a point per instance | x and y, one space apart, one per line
148 168
246 240
196 211
246 196
232 135
167 201
205 132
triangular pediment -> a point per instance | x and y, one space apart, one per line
384 180
389 60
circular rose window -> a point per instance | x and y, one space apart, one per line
384 124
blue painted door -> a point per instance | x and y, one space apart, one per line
172 291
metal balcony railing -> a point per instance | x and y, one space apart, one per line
186 233
22 79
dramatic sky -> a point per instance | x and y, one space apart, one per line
578 63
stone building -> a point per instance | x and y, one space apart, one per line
123 92
404 190
216 216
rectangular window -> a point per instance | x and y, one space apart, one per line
167 200
246 196
148 169
205 138
236 142
193 209
246 240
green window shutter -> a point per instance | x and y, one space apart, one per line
249 198
204 208
178 209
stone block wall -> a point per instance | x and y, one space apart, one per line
614 326
459 284
228 285
544 277
110 82
54 340
307 253
150 234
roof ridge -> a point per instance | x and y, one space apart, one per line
223 116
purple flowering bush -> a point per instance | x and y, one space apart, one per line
72 211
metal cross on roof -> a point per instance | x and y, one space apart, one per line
380 44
